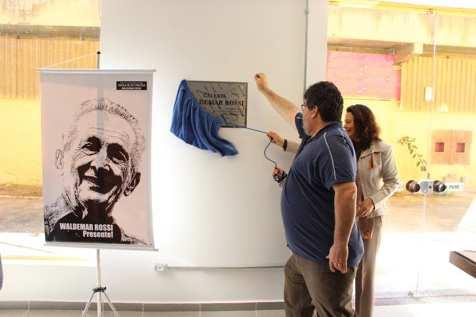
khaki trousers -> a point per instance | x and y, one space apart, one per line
312 286
364 281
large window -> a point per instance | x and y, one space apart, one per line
416 69
34 34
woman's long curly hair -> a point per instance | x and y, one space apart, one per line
365 126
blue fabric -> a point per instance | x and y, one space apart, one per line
194 125
307 200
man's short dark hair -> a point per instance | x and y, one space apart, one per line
328 99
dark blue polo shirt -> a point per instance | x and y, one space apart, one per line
307 200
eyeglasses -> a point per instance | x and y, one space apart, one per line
306 106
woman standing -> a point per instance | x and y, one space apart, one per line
377 180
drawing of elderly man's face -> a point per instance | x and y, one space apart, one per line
97 167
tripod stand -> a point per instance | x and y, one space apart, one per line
99 291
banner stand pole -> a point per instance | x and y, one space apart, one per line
99 290
98 59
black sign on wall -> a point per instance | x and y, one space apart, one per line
226 100
131 85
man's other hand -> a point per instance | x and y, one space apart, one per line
278 174
338 256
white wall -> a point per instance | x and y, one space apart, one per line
316 64
213 211
209 211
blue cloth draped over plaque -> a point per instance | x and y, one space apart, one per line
195 126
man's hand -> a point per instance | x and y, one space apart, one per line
275 138
365 208
261 82
338 255
279 174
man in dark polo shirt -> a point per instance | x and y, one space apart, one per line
318 205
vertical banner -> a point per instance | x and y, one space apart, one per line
96 157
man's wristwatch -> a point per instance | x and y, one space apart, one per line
285 145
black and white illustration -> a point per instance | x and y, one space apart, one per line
96 166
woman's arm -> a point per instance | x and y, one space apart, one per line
390 179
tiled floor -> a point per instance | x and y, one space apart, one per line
417 310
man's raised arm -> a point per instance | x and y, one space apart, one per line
284 107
